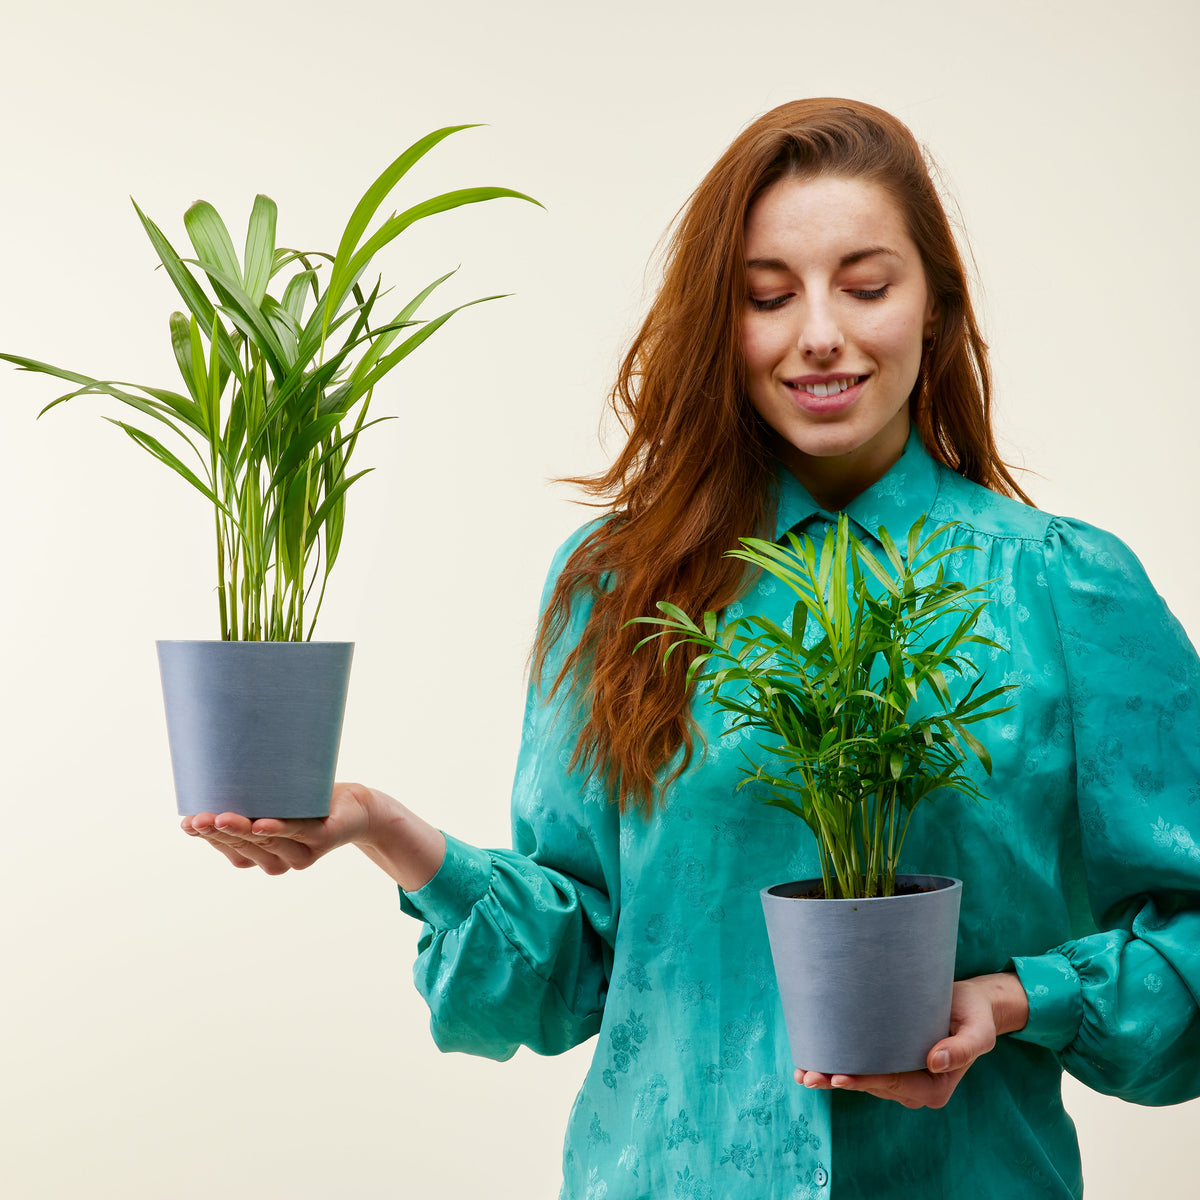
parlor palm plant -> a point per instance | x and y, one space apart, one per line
279 364
838 693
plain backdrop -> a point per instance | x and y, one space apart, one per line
171 1027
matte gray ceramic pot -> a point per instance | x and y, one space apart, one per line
254 727
865 984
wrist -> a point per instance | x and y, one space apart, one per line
379 811
407 848
1010 1005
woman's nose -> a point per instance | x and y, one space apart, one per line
820 335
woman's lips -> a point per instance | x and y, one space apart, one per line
823 406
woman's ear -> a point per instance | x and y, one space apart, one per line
933 318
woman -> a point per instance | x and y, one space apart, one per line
813 349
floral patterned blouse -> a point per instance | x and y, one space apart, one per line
1081 872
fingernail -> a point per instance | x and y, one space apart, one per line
940 1061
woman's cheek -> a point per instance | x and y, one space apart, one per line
762 347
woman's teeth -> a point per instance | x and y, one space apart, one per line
832 388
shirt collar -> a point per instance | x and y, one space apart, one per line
894 502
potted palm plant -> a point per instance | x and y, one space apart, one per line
865 701
280 356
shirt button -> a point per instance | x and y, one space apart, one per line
820 1177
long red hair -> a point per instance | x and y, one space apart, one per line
695 471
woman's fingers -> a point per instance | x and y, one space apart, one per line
300 831
272 844
913 1089
232 835
276 845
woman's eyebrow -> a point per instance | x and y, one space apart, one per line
847 260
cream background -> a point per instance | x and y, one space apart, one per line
173 1028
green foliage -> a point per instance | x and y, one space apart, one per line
852 748
277 390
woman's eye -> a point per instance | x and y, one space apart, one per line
767 305
870 293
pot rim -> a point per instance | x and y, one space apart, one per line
775 892
243 642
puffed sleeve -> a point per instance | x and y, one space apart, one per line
1120 1005
516 947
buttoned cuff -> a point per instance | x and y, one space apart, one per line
462 880
1055 1000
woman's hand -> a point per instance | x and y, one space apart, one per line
408 849
982 1008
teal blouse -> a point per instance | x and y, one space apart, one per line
1081 872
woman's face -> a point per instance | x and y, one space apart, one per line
833 330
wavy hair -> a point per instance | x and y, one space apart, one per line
694 474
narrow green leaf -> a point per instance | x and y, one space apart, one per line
333 471
196 363
260 248
285 327
366 208
292 511
181 347
214 381
887 578
977 747
893 554
159 451
183 407
331 505
297 291
211 241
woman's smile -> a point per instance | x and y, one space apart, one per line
826 395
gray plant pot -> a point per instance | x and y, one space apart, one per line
865 984
254 727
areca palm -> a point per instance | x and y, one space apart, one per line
279 356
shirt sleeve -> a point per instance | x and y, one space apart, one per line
516 947
1120 1006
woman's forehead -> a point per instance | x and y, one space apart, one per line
829 217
